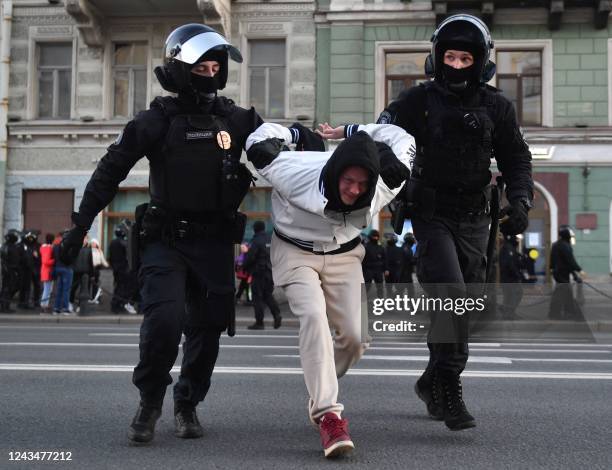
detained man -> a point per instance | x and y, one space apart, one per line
321 201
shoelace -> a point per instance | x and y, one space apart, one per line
454 400
334 427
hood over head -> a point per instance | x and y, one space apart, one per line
356 150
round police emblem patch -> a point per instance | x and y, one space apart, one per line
224 140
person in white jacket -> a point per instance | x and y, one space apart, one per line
321 201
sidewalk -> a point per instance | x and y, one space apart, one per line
101 314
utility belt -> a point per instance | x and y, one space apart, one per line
307 246
456 203
416 198
154 223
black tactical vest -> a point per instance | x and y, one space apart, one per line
456 149
186 176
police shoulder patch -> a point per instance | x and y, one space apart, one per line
385 118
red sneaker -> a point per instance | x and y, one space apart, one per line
334 436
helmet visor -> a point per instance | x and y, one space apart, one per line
197 46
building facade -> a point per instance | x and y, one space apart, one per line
73 72
553 61
76 71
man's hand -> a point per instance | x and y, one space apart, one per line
328 132
392 170
514 218
71 244
262 153
308 140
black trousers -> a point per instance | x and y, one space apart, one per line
563 305
30 282
451 262
262 287
187 288
376 275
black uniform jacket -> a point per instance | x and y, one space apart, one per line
509 148
143 136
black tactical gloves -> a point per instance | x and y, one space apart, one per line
392 170
262 153
305 139
72 242
517 217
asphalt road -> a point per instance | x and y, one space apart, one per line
67 387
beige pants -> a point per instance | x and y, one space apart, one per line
323 291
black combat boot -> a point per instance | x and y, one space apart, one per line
456 416
142 428
186 421
430 395
277 321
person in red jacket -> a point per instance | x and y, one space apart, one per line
46 272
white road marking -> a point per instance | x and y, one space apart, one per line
473 359
298 371
273 346
238 336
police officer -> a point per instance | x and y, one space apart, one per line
258 264
118 259
186 233
408 263
563 305
511 276
459 124
30 271
374 264
394 256
11 258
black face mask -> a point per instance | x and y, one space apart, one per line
205 84
457 76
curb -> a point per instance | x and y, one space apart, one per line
115 319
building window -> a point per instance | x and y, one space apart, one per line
403 70
257 205
519 76
54 80
129 78
122 207
267 77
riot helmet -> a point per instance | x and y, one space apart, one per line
11 237
30 237
409 239
121 231
462 33
187 46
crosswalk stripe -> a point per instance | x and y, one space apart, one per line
275 346
298 371
473 359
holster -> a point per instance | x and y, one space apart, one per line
420 199
134 244
235 185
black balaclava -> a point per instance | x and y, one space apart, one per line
206 86
460 36
356 150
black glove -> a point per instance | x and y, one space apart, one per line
72 242
308 140
262 153
392 170
518 218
